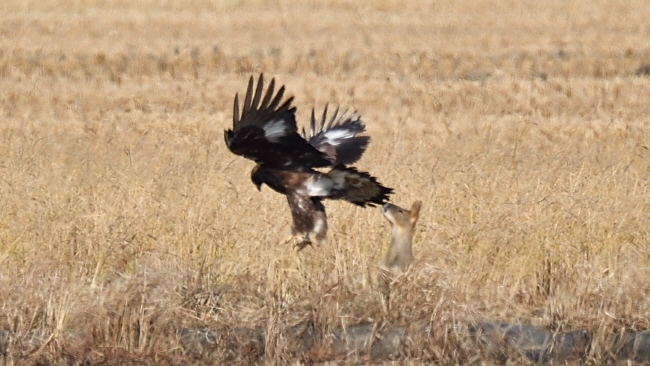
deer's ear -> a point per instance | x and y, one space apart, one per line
415 210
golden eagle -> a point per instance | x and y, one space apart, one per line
266 132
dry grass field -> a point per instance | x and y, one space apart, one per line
524 127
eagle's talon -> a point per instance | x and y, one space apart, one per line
303 244
300 242
288 240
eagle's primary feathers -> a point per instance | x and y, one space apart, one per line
266 132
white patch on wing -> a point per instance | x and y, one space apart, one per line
318 186
333 136
276 129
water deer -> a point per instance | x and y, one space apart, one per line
402 222
400 251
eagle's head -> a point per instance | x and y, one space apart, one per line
256 177
228 136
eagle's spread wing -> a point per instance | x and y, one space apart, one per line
266 131
338 138
359 188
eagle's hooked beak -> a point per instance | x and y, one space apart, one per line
228 136
256 178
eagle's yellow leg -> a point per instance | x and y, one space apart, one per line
288 240
299 242
303 242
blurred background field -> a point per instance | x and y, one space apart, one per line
522 125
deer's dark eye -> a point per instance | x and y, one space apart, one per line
400 211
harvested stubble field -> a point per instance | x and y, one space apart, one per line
522 125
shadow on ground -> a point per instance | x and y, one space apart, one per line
498 342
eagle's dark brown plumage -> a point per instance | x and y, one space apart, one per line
266 132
